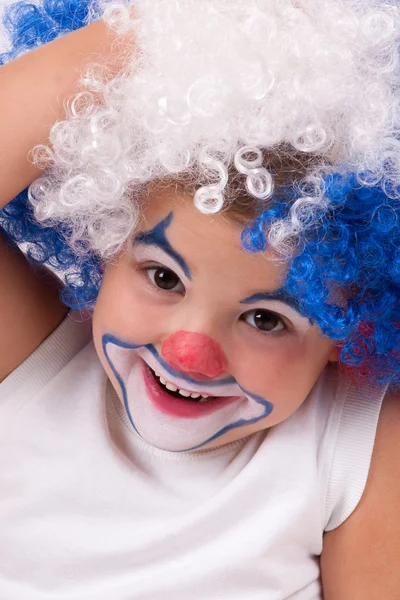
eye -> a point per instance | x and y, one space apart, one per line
165 279
264 320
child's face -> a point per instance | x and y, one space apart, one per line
186 303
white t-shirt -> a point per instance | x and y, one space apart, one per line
89 511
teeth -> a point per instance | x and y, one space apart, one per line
184 393
171 387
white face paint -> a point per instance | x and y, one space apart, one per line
171 422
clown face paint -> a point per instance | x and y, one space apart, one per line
192 352
157 237
178 423
196 335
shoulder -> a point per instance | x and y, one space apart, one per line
60 355
361 557
388 433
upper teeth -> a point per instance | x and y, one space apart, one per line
185 393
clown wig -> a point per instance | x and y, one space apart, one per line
210 91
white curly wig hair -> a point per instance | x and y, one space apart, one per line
211 85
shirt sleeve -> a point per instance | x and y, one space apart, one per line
355 430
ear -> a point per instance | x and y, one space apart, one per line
334 354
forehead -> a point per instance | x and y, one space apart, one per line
211 242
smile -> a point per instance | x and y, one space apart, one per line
176 392
173 403
172 410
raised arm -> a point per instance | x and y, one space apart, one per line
33 90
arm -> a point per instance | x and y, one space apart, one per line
30 306
33 90
361 558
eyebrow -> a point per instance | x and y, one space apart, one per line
157 237
279 295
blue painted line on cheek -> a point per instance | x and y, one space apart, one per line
129 346
269 407
184 377
110 339
157 237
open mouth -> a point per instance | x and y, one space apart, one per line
180 402
176 392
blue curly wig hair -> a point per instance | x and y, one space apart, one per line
345 265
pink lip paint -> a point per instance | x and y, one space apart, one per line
174 407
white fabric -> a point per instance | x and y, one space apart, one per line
88 511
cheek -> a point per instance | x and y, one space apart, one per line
123 309
282 371
266 369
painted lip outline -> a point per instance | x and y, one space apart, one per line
219 387
268 406
158 364
178 376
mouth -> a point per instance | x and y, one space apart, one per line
180 393
179 402
173 411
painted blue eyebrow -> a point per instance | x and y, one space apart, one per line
157 237
279 295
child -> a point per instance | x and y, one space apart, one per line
223 198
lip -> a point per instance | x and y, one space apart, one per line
174 407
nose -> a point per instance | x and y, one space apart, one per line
194 353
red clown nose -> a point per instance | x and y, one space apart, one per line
194 353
